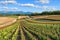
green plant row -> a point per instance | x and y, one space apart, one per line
29 35
6 33
46 31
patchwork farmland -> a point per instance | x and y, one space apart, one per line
28 28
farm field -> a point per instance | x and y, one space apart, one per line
6 19
54 17
46 18
27 29
29 20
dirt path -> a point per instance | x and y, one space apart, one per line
19 34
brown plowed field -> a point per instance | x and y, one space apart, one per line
5 20
55 17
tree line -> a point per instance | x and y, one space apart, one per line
33 14
46 13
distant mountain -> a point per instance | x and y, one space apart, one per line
15 12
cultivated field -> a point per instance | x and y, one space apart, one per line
27 29
5 21
55 17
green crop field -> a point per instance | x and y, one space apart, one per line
42 31
24 29
29 20
8 32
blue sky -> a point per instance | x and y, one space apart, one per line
29 5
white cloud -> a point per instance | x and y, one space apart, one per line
42 7
8 2
27 5
13 8
47 8
5 9
43 1
52 8
35 6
